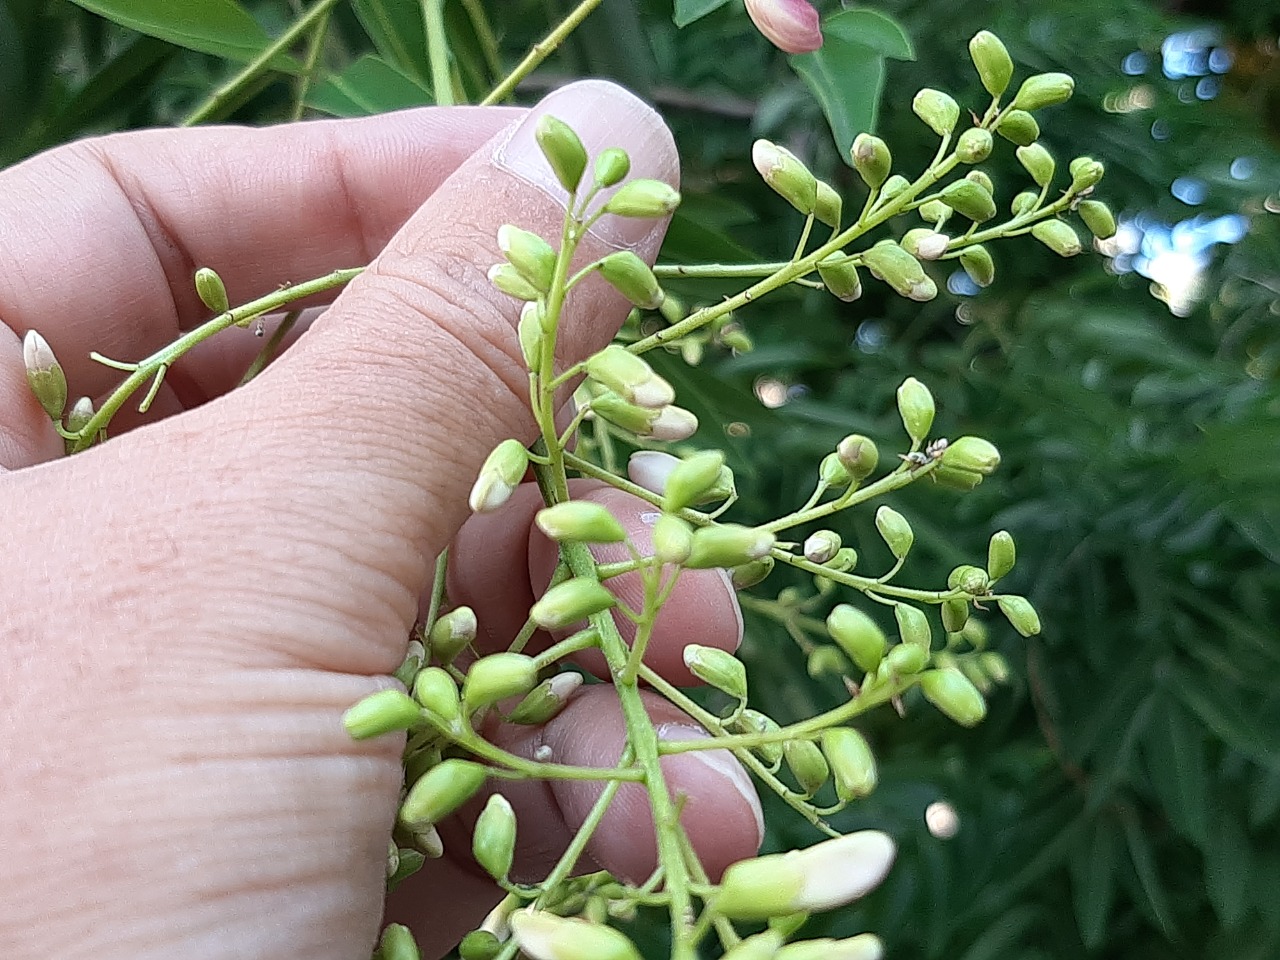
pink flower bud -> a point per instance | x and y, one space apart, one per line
790 25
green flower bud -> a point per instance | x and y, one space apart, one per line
974 145
1098 218
904 660
1019 612
717 668
1001 554
1024 203
828 206
889 262
563 150
568 602
821 546
1085 172
546 699
498 676
786 174
937 110
1038 162
545 936
1020 127
630 377
846 559
736 339
859 455
1044 90
728 545
639 420
826 661
995 666
612 167
761 946
827 875
79 415
672 539
853 767
512 282
981 178
691 478
893 186
753 721
532 256
833 472
452 633
995 66
925 244
398 944
436 690
973 454
645 199
916 407
975 633
978 265
953 479
895 530
479 945
972 580
935 212
440 791
529 331
954 694
382 712
211 290
493 840
45 376
857 635
872 159
1058 236
747 575
807 765
499 476
840 276
913 625
632 278
972 670
582 521
955 613
969 200
865 946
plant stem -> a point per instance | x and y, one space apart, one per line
540 51
314 49
269 348
438 53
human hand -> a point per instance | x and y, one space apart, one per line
187 611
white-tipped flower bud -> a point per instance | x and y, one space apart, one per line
936 109
895 530
44 374
493 839
717 668
673 424
840 276
978 265
992 60
529 331
728 545
533 257
916 407
645 199
79 416
382 712
865 946
568 602
821 546
1044 90
1038 162
582 521
632 278
786 174
440 791
872 159
499 476
630 377
545 936
887 261
452 633
546 699
925 244
512 282
563 150
651 468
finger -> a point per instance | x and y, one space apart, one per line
484 574
720 813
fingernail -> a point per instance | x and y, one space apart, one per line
603 115
727 580
723 763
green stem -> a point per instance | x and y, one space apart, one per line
438 53
540 51
260 63
437 591
271 346
484 33
524 769
314 48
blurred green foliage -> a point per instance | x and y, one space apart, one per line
1123 798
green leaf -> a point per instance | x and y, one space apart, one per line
847 73
223 28
1177 766
1093 881
397 32
1144 864
1227 867
687 11
368 86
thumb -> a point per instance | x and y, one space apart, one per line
362 441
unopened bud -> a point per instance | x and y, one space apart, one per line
479 945
499 476
840 275
211 290
995 66
1024 203
691 478
1044 90
728 545
790 25
969 200
973 454
924 243
529 331
954 694
857 635
452 633
493 839
786 174
981 178
832 471
760 946
846 559
1001 554
44 374
887 261
512 282
532 256
498 676
398 944
935 212
580 521
436 690
893 186
916 407
629 416
612 167
829 205
913 625
859 455
865 946
440 791
895 530
953 479
673 424
747 575
632 278
974 145
546 699
1038 162
821 546
853 767
978 265
753 721
645 199
1019 612
1085 173
672 539
1058 236
382 712
807 765
995 666
79 416
651 468
563 150
955 613
936 109
717 668
904 660
1097 216
872 159
568 602
972 580
630 377
1020 127
826 661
